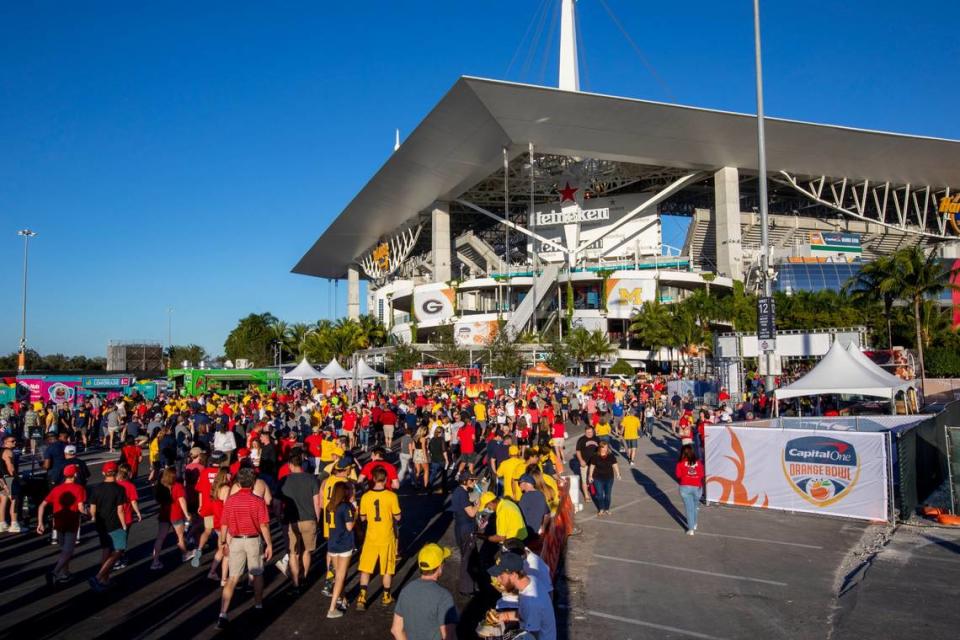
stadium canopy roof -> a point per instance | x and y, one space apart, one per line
460 142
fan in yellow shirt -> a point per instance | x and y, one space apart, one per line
509 518
510 471
380 509
631 433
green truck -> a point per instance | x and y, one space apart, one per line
236 382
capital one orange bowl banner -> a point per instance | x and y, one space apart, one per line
835 473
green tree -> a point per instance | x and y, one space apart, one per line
557 357
875 284
252 339
506 358
295 339
404 356
192 353
448 351
919 277
621 367
651 326
373 333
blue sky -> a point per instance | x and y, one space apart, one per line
186 155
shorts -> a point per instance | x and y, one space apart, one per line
302 536
115 540
557 442
340 554
388 431
383 554
245 555
11 487
178 523
632 443
419 457
208 523
469 458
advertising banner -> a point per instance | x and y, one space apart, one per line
433 302
835 473
475 333
105 382
51 390
625 296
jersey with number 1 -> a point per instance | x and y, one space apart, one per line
380 507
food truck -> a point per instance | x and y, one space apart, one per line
445 375
194 382
73 388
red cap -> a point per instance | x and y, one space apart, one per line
70 471
243 452
110 467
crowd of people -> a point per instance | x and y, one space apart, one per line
329 467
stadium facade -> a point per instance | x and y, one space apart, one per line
530 204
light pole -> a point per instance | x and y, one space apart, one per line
169 337
22 360
762 168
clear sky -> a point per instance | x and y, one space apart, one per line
186 155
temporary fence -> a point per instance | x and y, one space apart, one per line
844 474
952 437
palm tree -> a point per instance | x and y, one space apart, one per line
651 326
578 345
876 283
374 334
600 345
919 277
296 336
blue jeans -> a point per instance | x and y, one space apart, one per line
363 437
604 493
691 503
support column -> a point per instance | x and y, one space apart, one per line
726 218
353 293
440 232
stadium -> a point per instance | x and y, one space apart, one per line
527 205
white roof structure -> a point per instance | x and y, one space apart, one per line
333 371
859 356
842 372
365 371
303 371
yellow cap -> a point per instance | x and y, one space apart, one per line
486 499
514 450
432 556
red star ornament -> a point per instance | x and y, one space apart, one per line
567 193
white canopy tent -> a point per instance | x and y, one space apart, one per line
859 356
363 371
302 372
842 372
333 371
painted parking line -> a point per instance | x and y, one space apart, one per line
688 570
679 529
622 506
652 625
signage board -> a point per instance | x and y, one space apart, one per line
766 319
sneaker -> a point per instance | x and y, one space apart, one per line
14 527
119 565
96 585
189 555
334 613
66 576
284 563
327 588
222 622
689 532
342 604
195 560
387 599
362 601
156 565
4 527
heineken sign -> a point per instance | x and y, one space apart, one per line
551 218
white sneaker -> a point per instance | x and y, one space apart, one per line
689 532
4 527
14 527
283 563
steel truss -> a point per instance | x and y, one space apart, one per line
907 208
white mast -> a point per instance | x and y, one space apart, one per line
396 141
569 65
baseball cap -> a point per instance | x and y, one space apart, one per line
527 478
465 475
506 563
344 463
110 467
69 471
485 499
514 450
432 556
217 456
70 449
243 452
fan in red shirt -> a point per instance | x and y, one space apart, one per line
130 455
468 446
66 500
377 462
204 486
689 473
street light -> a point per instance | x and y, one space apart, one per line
22 360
